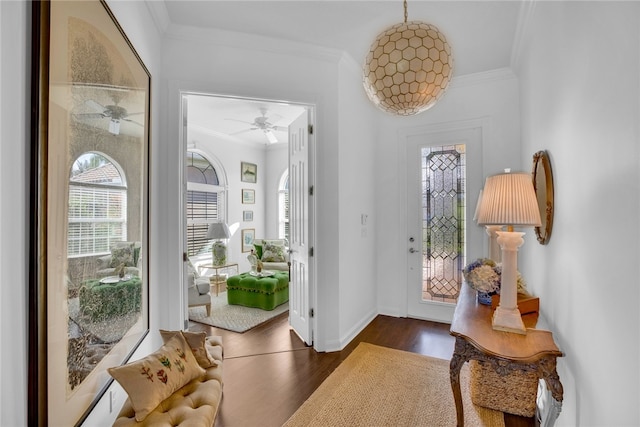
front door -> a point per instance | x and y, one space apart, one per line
439 167
299 293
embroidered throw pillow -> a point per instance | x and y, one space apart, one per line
272 253
122 253
151 380
196 341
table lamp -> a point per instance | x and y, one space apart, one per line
509 199
491 230
218 231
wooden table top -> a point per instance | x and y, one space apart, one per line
472 322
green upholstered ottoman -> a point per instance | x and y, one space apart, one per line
259 292
100 301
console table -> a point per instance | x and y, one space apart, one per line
505 352
215 279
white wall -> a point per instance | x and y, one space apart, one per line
357 241
579 73
491 98
14 210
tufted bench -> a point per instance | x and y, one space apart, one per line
195 404
259 292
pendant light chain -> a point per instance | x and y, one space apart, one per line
406 15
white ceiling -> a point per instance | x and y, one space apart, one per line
234 118
481 33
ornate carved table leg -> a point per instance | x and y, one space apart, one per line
457 360
550 375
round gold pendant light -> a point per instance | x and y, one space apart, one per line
408 67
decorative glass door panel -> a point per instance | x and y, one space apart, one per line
443 222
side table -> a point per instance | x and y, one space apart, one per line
216 279
506 352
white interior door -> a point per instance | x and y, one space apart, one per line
299 294
443 170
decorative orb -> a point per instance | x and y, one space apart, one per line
408 68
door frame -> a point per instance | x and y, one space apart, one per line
310 108
475 239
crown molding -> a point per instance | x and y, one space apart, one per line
483 77
350 63
522 29
240 40
159 14
195 143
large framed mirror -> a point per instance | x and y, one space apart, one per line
88 299
543 185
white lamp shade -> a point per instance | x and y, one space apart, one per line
509 199
218 230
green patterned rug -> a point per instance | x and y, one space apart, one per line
234 318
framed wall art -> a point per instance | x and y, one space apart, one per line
248 172
88 285
247 235
248 196
247 216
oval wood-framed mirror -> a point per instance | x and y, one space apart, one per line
543 185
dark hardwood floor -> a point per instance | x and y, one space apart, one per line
269 372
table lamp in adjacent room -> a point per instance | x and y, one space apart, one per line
509 199
220 232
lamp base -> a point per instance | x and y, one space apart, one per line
508 320
218 254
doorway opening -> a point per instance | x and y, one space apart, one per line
270 139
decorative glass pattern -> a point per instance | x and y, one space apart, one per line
443 222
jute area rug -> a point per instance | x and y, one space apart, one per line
379 386
234 318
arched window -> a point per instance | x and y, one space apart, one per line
97 205
205 201
283 206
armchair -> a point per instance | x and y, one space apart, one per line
273 253
127 253
198 289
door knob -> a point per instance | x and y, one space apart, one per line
411 250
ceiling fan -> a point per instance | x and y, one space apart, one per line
263 124
115 113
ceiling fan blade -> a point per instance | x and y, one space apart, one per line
243 131
241 121
132 121
280 128
96 106
90 116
